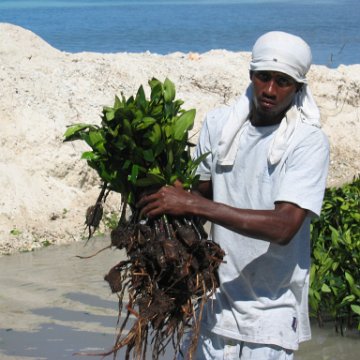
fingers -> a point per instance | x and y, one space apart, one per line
151 204
151 210
168 200
144 199
149 197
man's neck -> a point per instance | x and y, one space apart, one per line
265 119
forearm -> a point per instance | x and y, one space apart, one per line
276 226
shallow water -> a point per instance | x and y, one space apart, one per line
54 305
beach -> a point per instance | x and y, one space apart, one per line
47 187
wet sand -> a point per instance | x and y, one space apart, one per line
54 305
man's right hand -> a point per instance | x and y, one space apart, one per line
171 200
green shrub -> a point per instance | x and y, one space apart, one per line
335 269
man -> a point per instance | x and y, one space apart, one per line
261 184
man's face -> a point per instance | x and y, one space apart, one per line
273 94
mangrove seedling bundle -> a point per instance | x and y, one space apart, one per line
170 269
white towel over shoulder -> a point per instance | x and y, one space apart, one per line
304 109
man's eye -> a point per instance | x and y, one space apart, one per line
263 76
284 81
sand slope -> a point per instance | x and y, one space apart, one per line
46 188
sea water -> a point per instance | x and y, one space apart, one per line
331 27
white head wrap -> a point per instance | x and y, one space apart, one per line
282 52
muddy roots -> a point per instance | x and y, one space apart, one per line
169 273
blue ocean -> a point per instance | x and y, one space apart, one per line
331 27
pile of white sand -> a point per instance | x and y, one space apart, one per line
46 188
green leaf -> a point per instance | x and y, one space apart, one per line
89 155
184 123
353 286
130 100
157 111
170 158
348 299
134 174
195 163
127 128
103 173
159 147
151 180
349 279
96 141
109 114
148 155
325 288
355 309
334 236
356 216
126 165
74 130
169 131
141 98
156 90
345 207
155 134
145 123
169 91
117 104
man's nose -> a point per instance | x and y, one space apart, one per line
270 88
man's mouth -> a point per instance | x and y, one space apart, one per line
267 104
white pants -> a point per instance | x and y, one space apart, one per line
215 347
